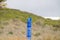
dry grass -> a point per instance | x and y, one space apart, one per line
48 36
12 38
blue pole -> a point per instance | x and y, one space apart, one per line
29 25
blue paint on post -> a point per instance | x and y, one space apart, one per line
29 25
29 22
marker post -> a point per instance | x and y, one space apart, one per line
29 25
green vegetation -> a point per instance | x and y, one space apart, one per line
2 0
2 4
54 23
7 14
10 33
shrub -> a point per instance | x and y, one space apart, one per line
2 27
10 33
58 26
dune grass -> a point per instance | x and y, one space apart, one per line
6 14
